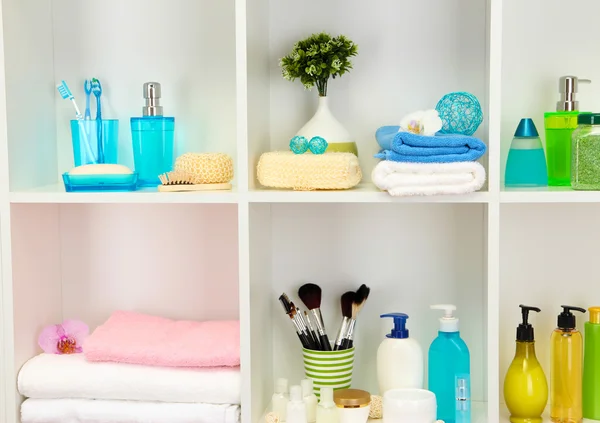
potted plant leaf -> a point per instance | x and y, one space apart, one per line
314 61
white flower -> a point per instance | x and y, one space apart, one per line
423 122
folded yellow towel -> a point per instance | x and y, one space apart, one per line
306 172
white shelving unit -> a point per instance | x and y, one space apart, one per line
231 254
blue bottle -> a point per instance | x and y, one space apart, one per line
152 137
526 163
449 374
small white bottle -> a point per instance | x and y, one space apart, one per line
399 358
310 400
327 411
280 399
296 410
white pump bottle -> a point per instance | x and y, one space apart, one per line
399 358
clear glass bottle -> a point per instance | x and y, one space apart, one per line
585 153
152 137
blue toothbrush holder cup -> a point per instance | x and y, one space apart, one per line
86 148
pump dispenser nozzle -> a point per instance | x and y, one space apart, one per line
568 86
525 330
566 319
448 323
152 94
399 331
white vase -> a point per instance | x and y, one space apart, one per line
323 124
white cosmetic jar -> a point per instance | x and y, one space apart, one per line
409 406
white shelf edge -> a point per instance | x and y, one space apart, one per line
550 195
57 194
478 413
363 193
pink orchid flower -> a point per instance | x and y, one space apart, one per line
63 339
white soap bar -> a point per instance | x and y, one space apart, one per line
101 169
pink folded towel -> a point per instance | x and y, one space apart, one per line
135 338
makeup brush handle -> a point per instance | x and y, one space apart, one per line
325 345
301 339
345 344
316 340
341 334
306 343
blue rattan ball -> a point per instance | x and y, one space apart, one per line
460 113
299 144
318 145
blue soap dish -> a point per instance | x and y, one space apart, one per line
108 182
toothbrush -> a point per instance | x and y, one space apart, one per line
65 93
87 87
97 90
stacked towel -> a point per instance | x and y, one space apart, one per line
136 338
51 376
92 411
139 368
427 165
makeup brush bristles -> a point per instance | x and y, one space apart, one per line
359 300
310 294
347 301
285 302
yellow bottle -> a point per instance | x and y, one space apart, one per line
525 386
566 369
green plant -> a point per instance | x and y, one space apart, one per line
317 58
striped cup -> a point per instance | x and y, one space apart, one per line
329 368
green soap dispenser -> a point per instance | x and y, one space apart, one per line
559 127
525 385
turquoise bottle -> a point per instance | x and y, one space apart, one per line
526 163
449 371
152 137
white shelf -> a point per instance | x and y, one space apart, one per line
57 194
478 414
548 195
363 193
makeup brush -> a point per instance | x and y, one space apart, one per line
303 327
311 330
310 294
346 302
287 307
359 301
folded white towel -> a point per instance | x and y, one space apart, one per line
103 411
71 376
406 179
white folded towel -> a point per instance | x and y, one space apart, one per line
406 179
71 376
103 411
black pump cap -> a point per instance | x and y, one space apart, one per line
525 330
566 319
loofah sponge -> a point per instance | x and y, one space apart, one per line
307 172
272 418
376 411
206 168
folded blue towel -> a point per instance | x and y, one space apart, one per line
413 148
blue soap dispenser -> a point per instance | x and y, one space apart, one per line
152 137
449 367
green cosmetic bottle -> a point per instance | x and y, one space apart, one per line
559 127
591 366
